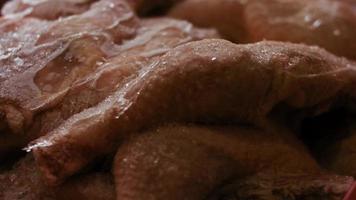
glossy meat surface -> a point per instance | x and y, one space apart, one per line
45 9
46 58
228 82
89 69
329 24
189 116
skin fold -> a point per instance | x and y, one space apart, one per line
100 100
37 92
329 24
228 82
104 69
46 59
200 162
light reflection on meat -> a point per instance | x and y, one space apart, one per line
217 75
330 24
188 115
46 9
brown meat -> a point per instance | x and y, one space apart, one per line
353 2
47 9
24 182
192 162
209 81
287 186
226 16
41 60
37 72
155 36
95 186
327 23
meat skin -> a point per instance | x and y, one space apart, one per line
114 99
49 47
194 162
94 68
228 82
329 24
24 182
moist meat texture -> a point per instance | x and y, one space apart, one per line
224 154
100 100
228 82
93 69
43 59
24 182
330 24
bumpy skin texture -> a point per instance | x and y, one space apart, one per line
329 24
93 68
24 182
228 82
98 77
42 59
192 162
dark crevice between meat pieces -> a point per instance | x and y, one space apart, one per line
331 139
152 8
325 128
22 180
284 187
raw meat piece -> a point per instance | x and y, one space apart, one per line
329 24
193 162
205 81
